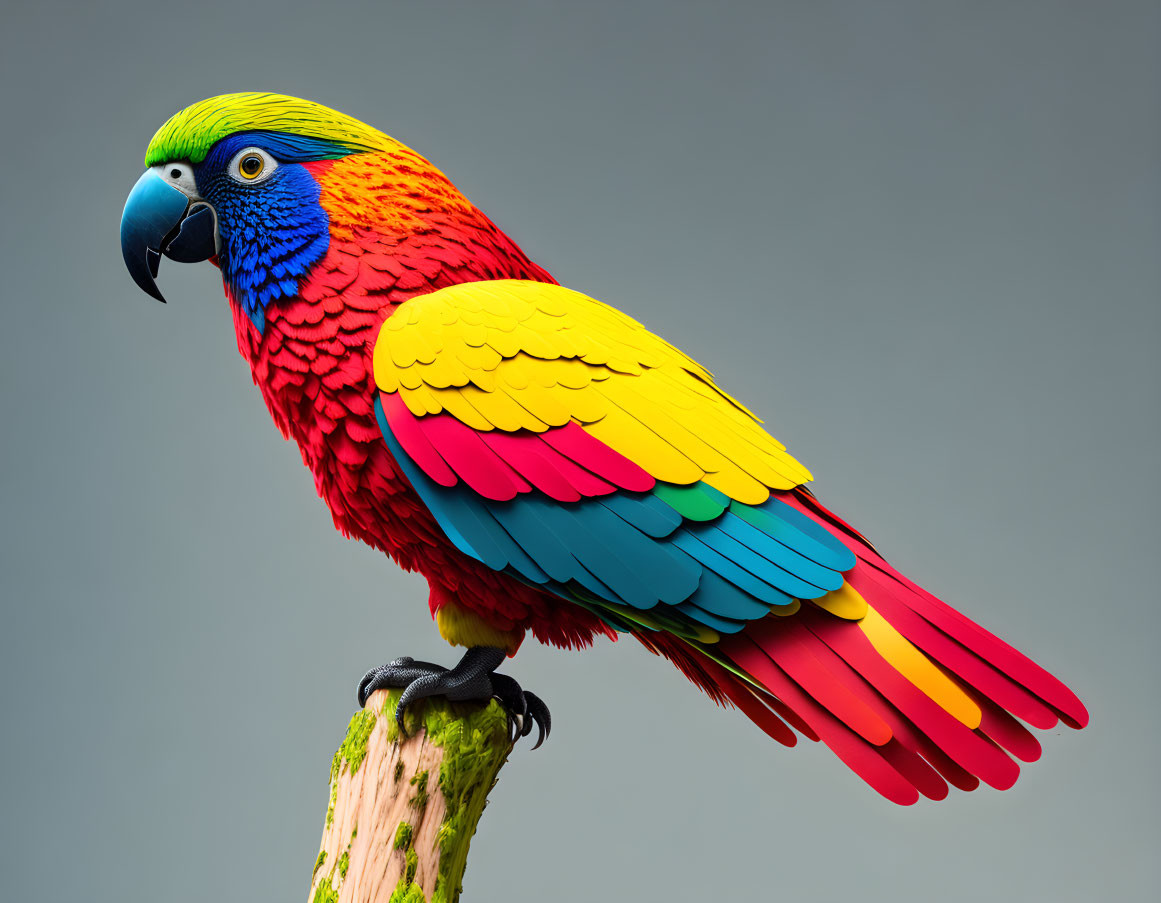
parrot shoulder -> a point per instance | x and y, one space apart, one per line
514 355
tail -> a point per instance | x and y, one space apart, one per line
910 694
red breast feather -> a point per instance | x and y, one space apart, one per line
398 228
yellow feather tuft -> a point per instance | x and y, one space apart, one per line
462 628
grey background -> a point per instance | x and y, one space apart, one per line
920 238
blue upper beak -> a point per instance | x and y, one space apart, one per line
159 219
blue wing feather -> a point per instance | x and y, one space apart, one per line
728 565
799 532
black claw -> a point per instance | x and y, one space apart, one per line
420 688
539 711
395 675
474 678
505 689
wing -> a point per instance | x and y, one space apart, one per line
557 440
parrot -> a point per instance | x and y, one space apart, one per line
551 466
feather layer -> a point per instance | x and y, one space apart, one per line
512 355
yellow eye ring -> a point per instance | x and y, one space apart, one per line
251 166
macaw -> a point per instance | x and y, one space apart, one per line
552 466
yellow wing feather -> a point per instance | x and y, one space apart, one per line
512 354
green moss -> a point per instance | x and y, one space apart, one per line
354 748
328 888
322 857
419 801
398 771
475 747
325 893
336 762
406 892
403 836
412 866
350 754
388 712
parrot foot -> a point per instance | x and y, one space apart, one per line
474 678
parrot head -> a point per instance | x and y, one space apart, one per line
239 179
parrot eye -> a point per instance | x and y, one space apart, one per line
252 165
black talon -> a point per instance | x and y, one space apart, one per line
539 712
505 689
474 678
397 674
420 688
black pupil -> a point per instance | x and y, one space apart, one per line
176 173
251 165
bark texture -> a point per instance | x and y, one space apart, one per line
403 807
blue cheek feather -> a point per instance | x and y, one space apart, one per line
271 232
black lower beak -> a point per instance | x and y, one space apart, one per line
160 219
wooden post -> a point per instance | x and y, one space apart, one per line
403 809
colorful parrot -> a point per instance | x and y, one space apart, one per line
550 465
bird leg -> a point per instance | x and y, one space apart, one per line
474 678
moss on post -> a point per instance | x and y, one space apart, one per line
403 808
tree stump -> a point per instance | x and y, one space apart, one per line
403 808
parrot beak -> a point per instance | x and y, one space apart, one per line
161 219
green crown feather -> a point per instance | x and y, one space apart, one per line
190 134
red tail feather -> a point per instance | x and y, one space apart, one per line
912 697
